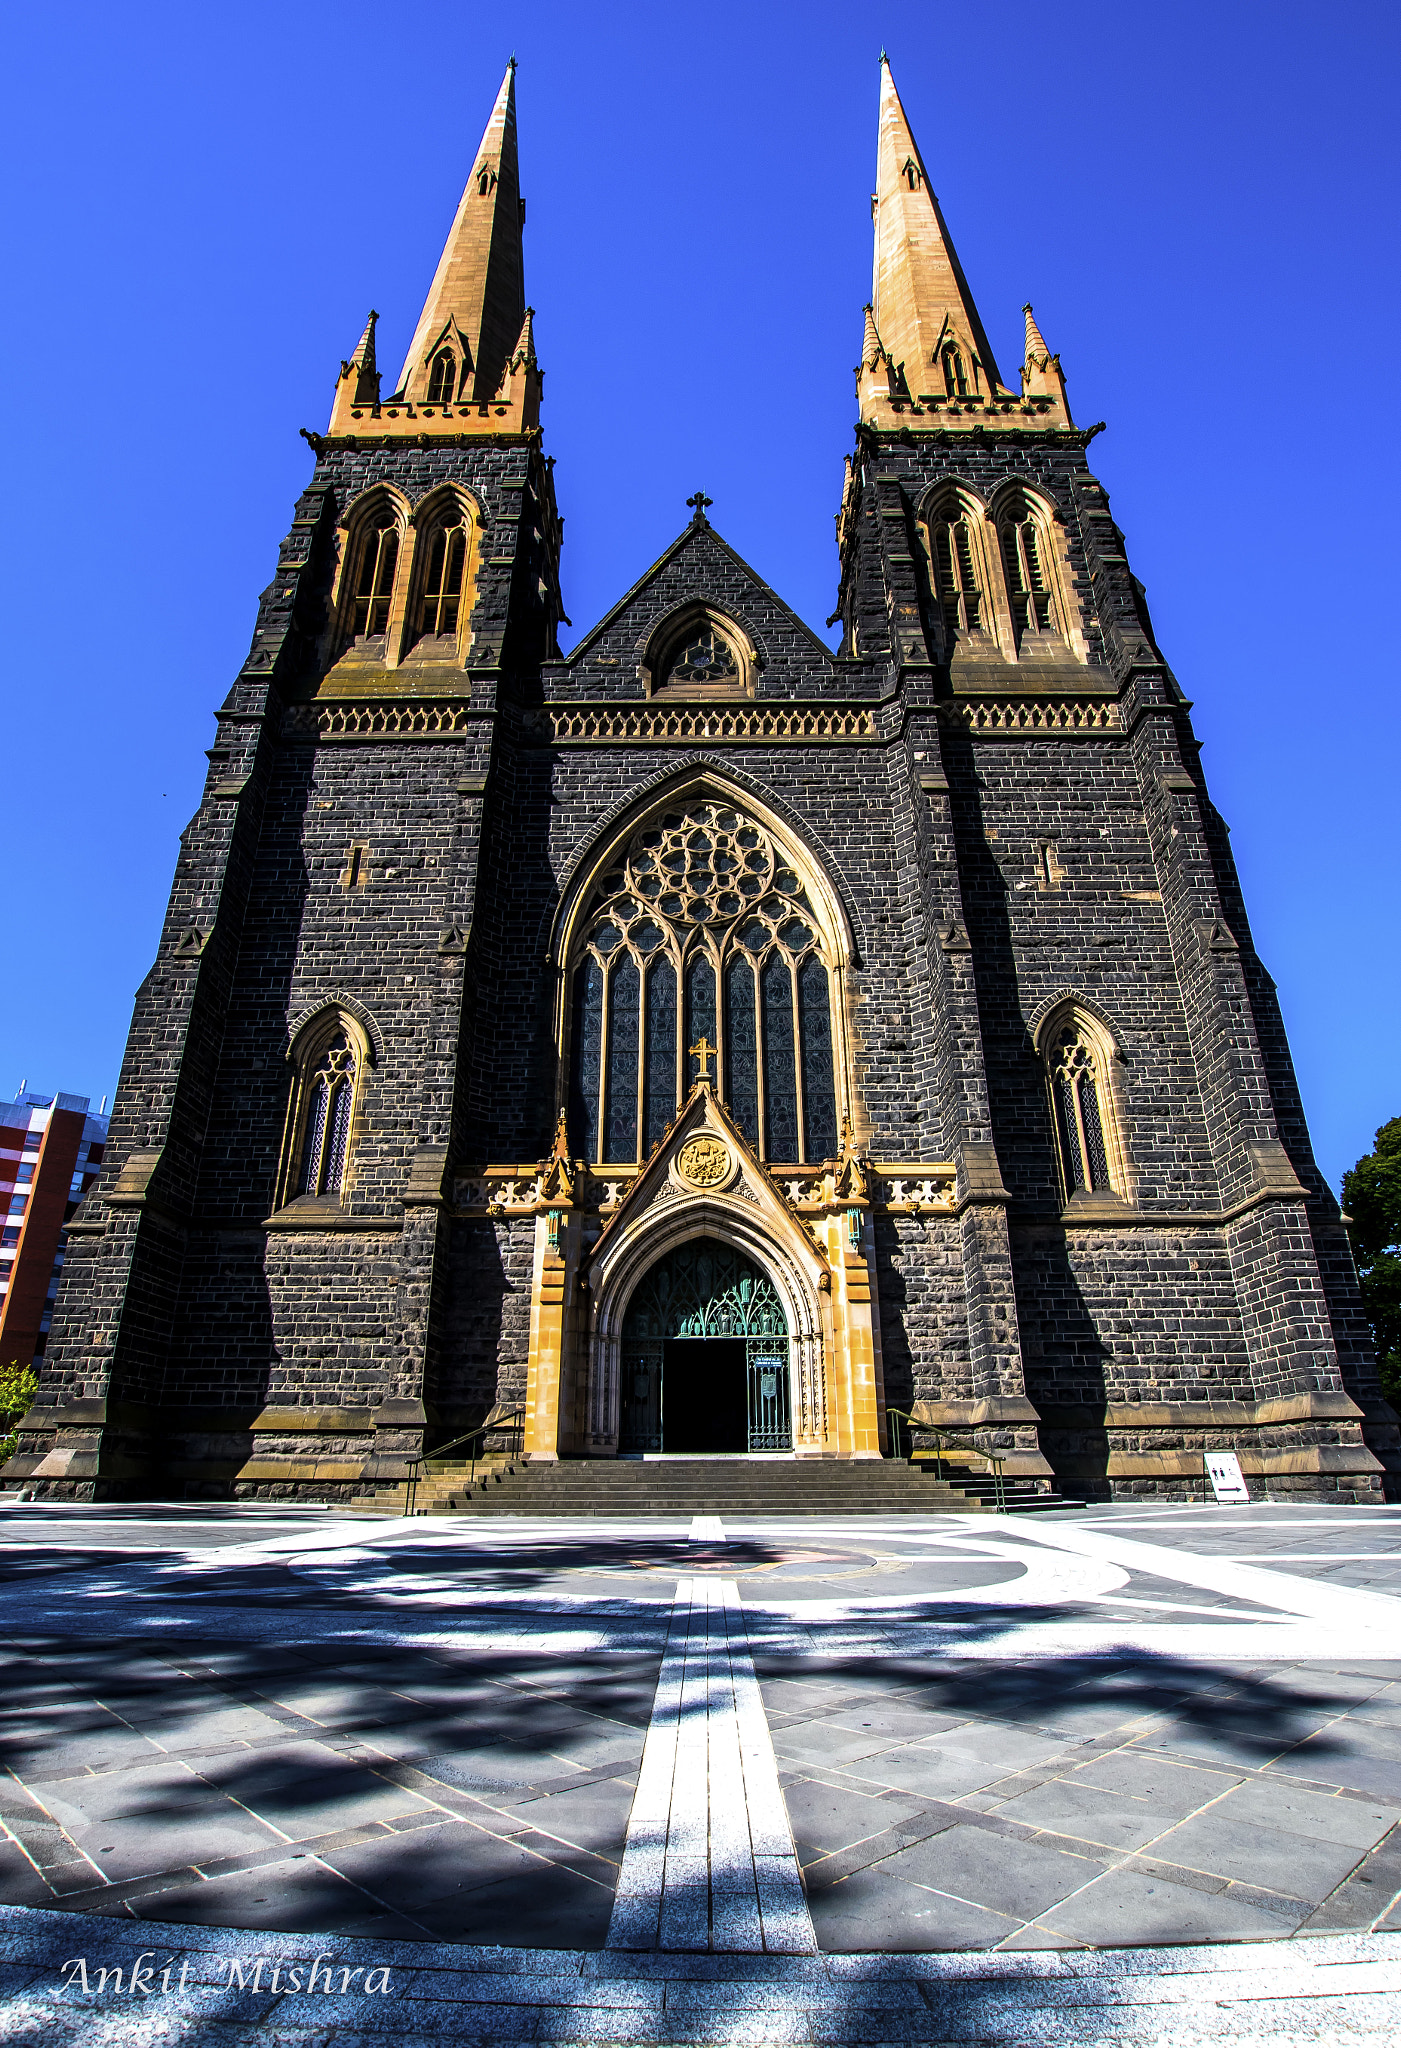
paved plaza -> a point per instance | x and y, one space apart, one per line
1132 1773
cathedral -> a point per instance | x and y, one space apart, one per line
706 1042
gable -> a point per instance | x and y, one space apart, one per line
701 583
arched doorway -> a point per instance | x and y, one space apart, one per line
705 1356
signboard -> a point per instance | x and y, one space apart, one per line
1227 1479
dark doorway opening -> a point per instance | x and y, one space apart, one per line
704 1404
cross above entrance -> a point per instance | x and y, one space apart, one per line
705 1052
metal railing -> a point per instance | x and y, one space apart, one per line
996 1460
511 1421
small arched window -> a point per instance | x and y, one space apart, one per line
323 1108
1024 559
702 913
486 178
955 376
374 582
441 601
705 657
442 377
1089 1149
955 567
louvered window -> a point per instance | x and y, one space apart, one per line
1028 591
955 573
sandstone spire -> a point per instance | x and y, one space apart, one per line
922 304
476 302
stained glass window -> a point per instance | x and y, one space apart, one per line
588 1047
819 1089
624 1023
780 1075
703 920
741 1049
700 1015
659 1072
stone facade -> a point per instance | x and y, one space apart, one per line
1008 826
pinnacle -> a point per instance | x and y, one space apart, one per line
1036 348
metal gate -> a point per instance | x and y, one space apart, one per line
705 1289
770 1425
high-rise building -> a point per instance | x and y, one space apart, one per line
706 1040
50 1152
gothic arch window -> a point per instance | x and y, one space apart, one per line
1080 1056
701 654
704 927
329 1059
955 375
442 377
443 576
1028 563
374 581
958 568
371 561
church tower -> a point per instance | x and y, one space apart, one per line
706 1041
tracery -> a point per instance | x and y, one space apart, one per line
702 900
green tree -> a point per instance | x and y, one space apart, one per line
1372 1199
17 1389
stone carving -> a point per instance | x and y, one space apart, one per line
704 1161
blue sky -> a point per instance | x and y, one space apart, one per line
204 204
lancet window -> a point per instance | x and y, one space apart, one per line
1082 1101
442 582
703 930
374 581
955 568
1026 566
328 1061
442 377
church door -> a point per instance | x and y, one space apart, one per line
705 1356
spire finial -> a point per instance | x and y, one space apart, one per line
700 501
1036 349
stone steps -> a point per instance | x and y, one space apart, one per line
733 1486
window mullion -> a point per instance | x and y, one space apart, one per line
641 1091
600 1143
799 1096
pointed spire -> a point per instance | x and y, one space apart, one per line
921 297
478 289
362 366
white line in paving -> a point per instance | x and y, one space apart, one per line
706 1529
709 1862
1335 1605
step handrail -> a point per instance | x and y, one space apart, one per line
899 1415
418 1459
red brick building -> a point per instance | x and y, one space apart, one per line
50 1150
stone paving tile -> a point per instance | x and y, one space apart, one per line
1125 1907
1067 1806
1017 1878
873 1907
1178 1789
